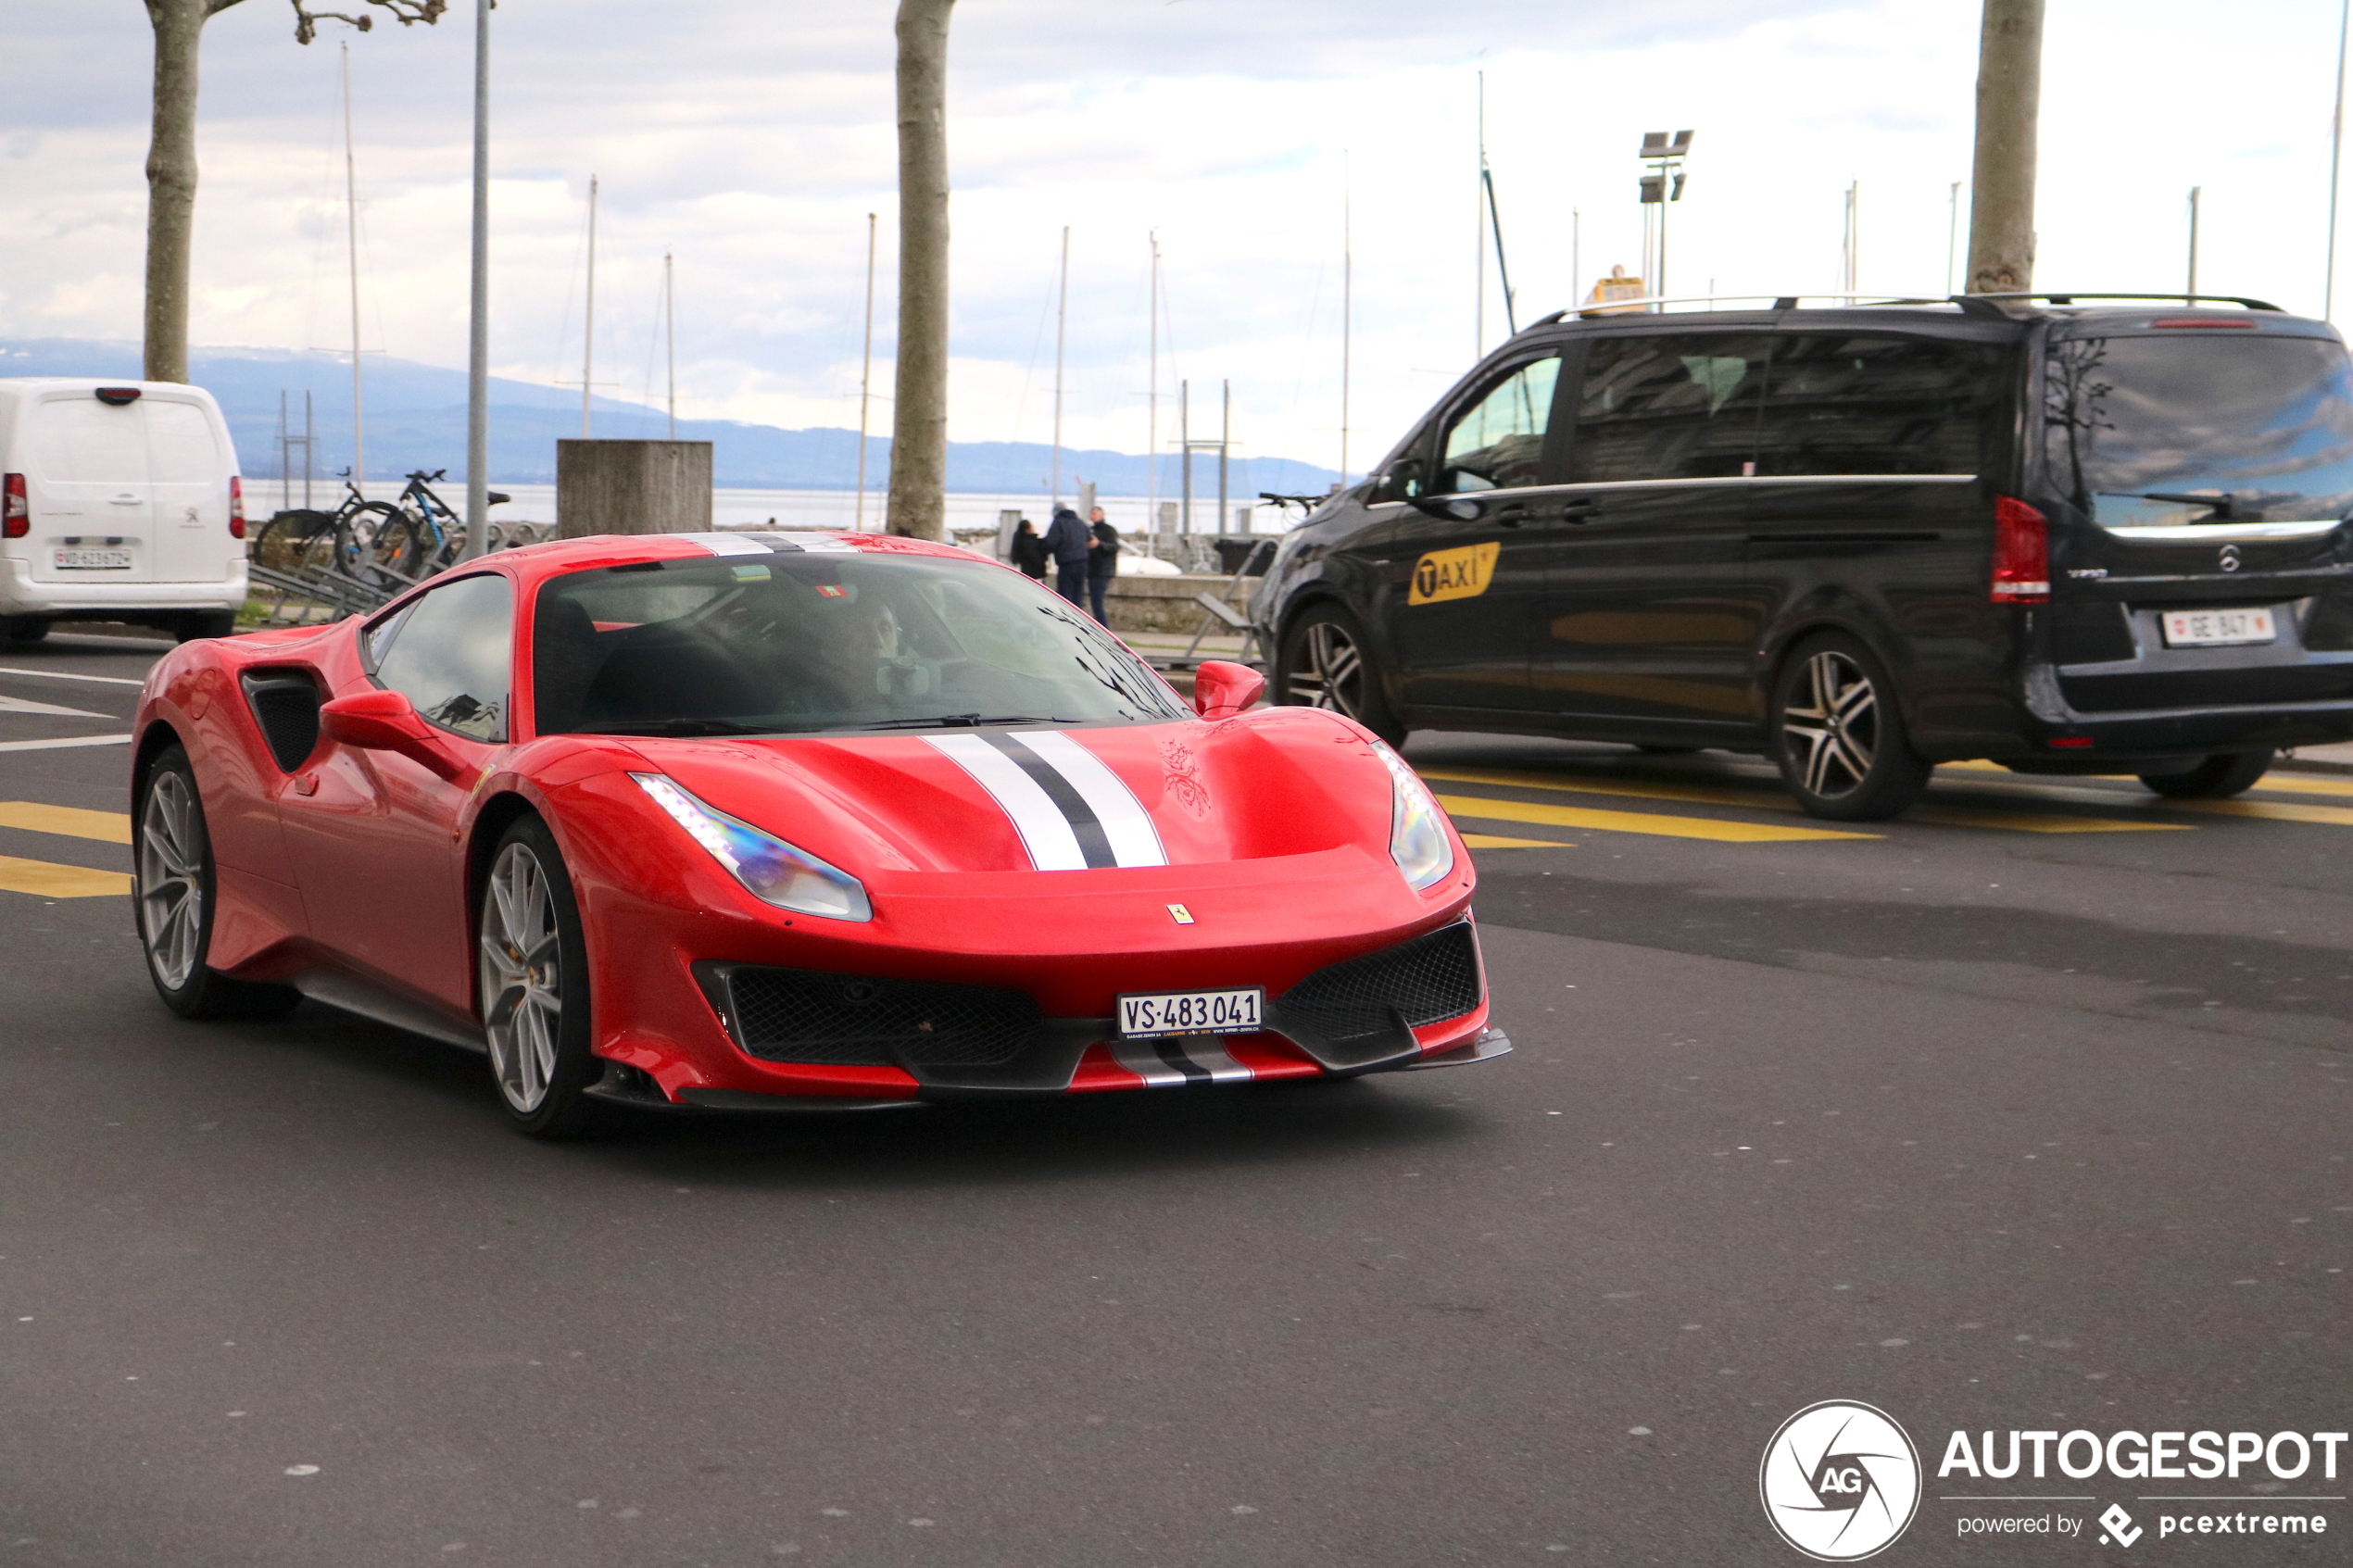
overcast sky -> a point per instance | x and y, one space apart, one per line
753 137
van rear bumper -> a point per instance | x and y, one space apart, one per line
19 594
2202 730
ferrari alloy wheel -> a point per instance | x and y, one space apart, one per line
534 983
173 887
1838 737
1325 664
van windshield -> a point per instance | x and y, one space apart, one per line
823 641
2200 428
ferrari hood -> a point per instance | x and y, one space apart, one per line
1276 783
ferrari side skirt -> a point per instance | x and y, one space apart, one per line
347 993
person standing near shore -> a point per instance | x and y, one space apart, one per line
1102 561
1067 541
1030 551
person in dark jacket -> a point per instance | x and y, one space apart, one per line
1030 551
1102 561
1067 541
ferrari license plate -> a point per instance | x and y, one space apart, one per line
1154 1013
2217 628
93 561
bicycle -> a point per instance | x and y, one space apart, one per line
383 543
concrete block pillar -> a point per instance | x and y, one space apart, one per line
632 487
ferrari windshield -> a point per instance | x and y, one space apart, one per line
2205 428
832 640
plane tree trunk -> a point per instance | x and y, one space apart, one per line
918 502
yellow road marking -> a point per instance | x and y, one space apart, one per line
1480 809
45 880
1756 800
107 827
2303 783
2270 810
1489 841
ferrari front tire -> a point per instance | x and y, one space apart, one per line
173 900
533 971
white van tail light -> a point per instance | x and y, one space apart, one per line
15 518
2021 553
236 508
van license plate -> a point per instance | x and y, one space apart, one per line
2217 628
93 561
1156 1013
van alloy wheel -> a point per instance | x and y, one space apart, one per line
522 977
1331 675
171 879
1835 725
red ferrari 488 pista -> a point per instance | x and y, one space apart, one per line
790 821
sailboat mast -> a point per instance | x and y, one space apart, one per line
1479 232
1062 317
865 380
1347 304
351 237
1151 402
670 336
588 335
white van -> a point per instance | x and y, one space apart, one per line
119 501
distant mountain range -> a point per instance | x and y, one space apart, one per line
417 419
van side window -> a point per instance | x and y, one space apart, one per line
451 655
1678 406
1840 403
1498 442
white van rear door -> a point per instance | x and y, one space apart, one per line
89 494
189 470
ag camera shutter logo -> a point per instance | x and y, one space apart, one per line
1839 1481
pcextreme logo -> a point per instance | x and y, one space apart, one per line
1840 1480
1452 574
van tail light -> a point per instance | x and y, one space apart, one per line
2021 553
16 518
236 508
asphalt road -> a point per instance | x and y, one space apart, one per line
2029 1113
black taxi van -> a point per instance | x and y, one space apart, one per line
2067 534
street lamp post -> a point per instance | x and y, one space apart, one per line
478 327
1664 153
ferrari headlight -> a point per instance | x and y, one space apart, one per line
1418 840
774 870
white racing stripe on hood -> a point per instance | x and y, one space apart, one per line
1134 840
1045 832
727 543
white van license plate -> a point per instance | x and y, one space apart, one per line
93 561
2217 628
1157 1013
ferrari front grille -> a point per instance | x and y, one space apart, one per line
1432 977
811 1017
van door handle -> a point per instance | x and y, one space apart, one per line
1581 511
1511 516
123 501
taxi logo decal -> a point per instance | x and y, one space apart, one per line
1452 574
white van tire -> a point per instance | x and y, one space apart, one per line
23 628
198 623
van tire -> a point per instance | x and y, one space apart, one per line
1325 660
198 623
1837 735
23 628
2218 778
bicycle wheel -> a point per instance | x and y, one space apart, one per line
301 542
376 539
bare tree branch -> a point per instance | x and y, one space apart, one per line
407 12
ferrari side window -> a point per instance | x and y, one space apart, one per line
450 655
